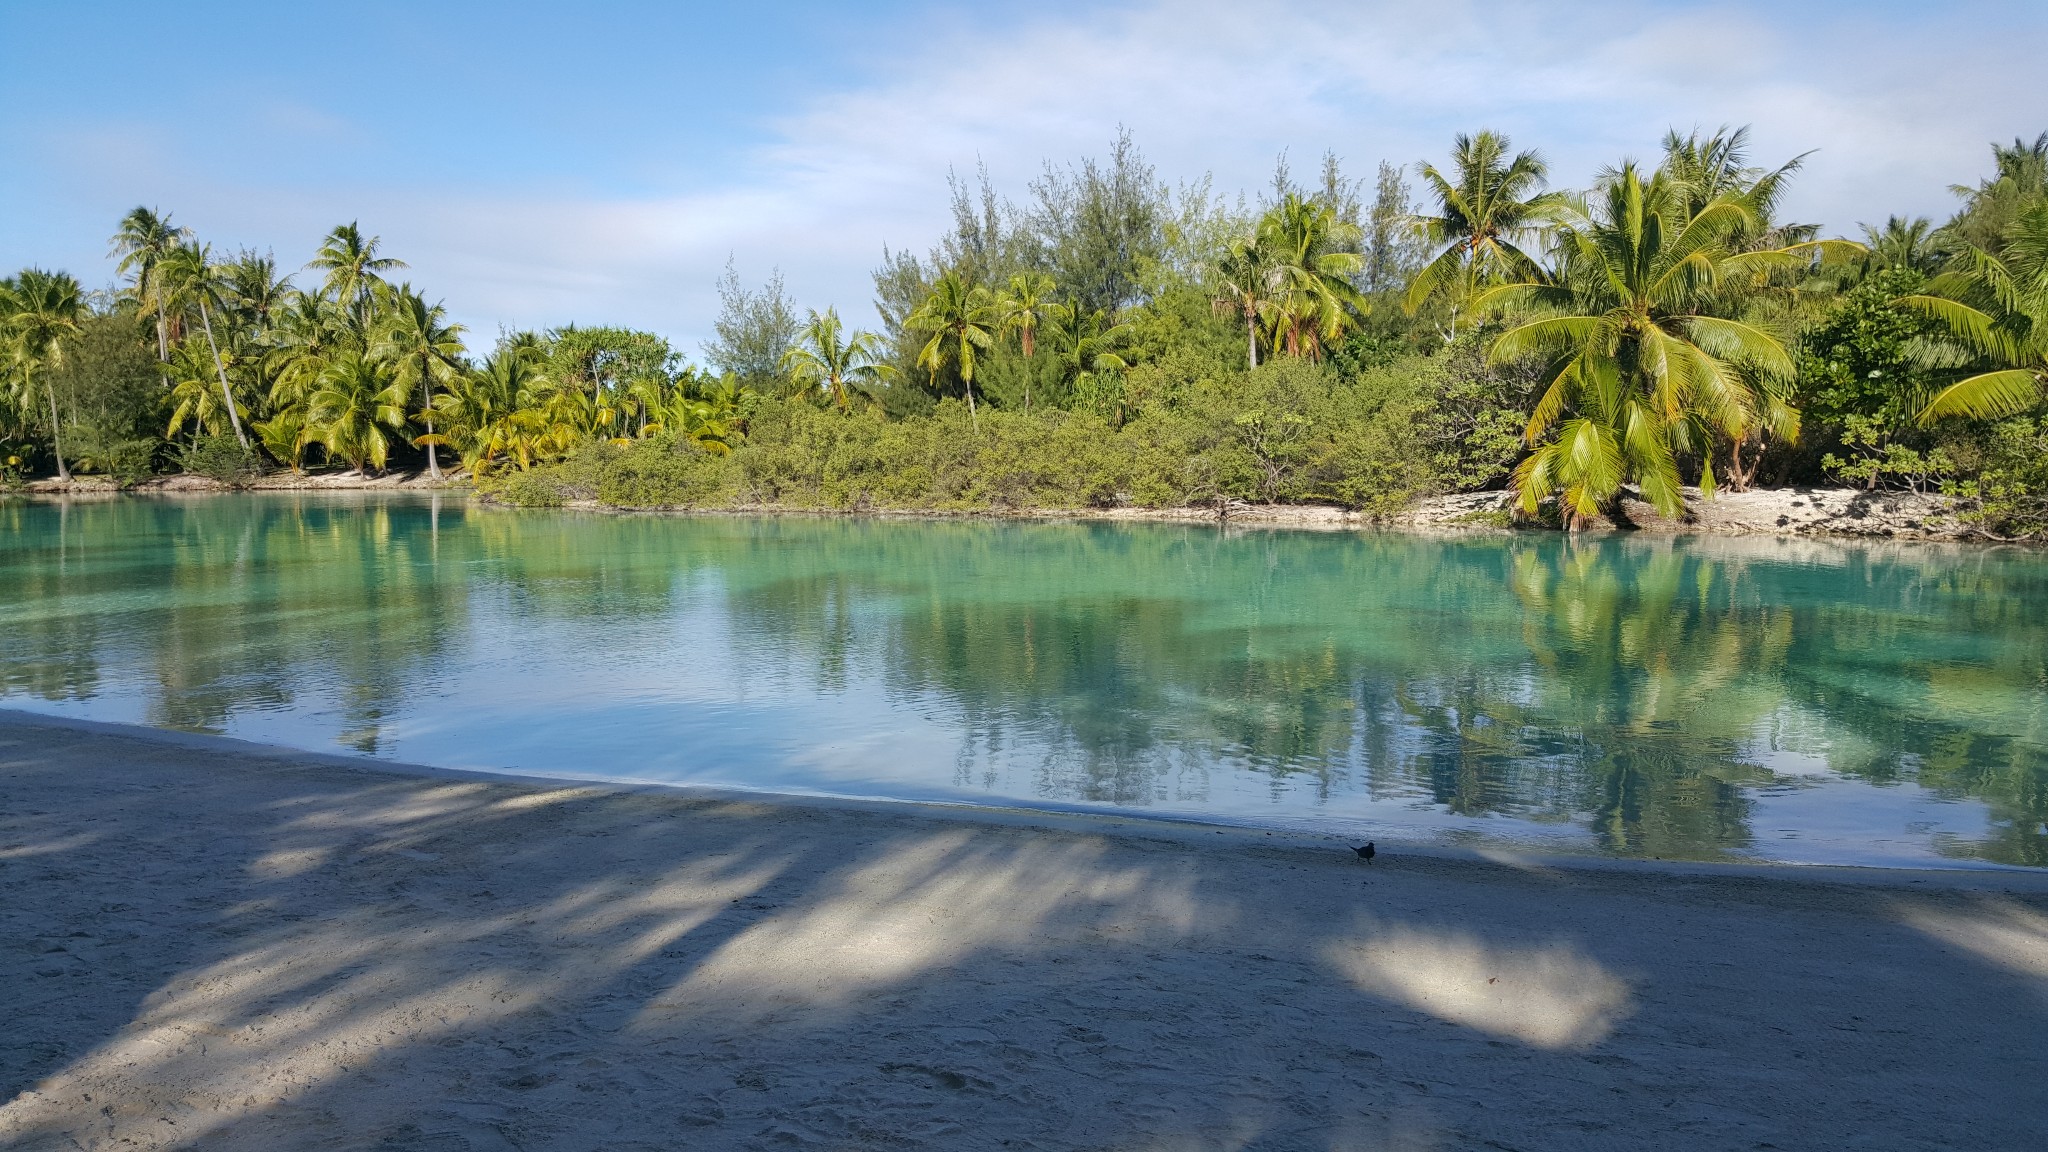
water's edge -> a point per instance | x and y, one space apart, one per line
1972 876
1845 514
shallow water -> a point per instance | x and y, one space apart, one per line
1758 699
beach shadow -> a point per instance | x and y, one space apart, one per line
353 960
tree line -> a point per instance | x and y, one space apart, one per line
1116 339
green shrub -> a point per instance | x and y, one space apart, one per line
2011 489
657 473
536 489
221 458
128 459
1182 431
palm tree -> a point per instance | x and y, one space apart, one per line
1703 169
476 407
707 420
286 435
254 292
1902 243
822 360
1494 201
40 312
189 278
142 241
962 315
1019 310
1637 372
1995 305
1248 277
354 271
1312 264
195 398
304 335
356 399
424 349
1084 343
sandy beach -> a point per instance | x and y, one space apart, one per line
217 946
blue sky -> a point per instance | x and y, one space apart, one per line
599 162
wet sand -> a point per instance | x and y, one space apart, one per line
205 945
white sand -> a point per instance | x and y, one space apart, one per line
215 948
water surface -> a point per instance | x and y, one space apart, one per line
1750 699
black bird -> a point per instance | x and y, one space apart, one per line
1366 853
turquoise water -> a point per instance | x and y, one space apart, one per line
1751 699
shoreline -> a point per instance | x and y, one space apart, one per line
1964 875
1808 513
235 948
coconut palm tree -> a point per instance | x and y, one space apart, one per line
1995 306
304 335
476 409
252 290
1902 243
356 400
1637 373
1705 168
189 279
1312 261
196 398
961 314
142 241
1020 306
1490 203
286 436
1084 345
39 314
1249 278
423 349
823 360
354 271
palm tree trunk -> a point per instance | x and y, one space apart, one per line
427 406
56 437
1251 342
163 349
225 394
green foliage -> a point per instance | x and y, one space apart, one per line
1641 366
1290 431
2010 489
110 394
1862 357
540 489
664 472
221 458
14 464
1877 459
755 329
1117 341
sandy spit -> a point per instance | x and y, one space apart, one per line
211 946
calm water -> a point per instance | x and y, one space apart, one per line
1722 698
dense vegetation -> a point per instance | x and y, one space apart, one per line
1113 340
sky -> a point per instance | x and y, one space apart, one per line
600 162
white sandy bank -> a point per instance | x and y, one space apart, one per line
208 948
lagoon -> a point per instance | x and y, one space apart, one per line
1692 698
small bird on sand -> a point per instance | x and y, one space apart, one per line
1366 853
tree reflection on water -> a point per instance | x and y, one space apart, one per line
1643 690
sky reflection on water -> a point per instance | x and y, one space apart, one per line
1755 699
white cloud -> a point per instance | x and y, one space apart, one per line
1899 110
